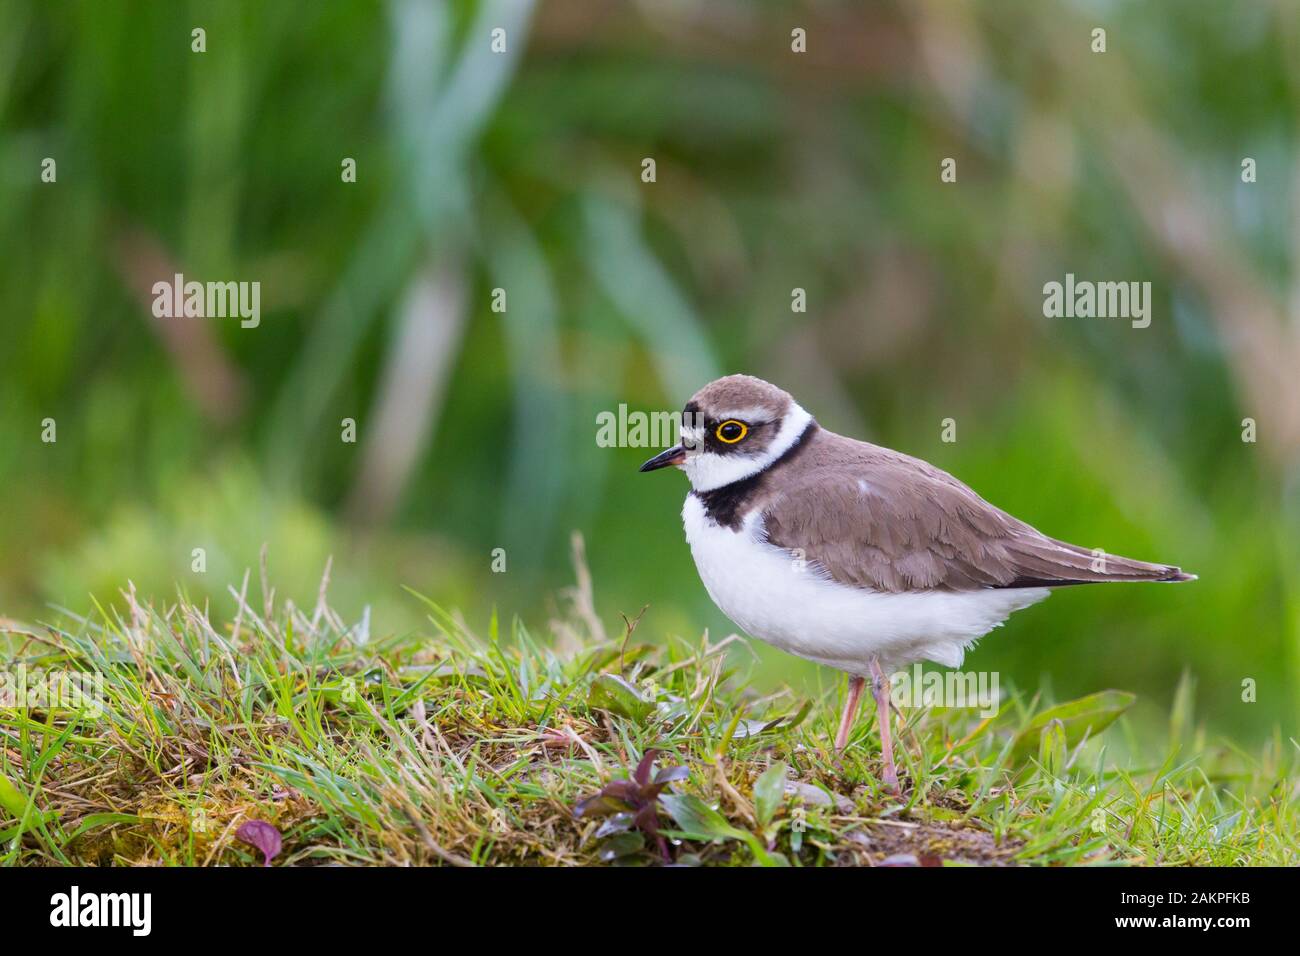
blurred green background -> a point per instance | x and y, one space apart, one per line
775 170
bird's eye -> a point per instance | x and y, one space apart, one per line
732 431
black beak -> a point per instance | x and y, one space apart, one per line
673 456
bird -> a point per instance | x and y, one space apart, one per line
853 555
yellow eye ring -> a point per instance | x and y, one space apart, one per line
733 434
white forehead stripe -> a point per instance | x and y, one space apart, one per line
708 471
754 413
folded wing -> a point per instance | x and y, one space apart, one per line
894 523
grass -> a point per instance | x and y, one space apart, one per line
475 749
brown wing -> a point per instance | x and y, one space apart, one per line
894 523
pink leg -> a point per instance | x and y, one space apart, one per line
850 712
880 691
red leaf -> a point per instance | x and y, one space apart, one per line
262 835
642 773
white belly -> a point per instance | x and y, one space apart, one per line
768 594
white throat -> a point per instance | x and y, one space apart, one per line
707 471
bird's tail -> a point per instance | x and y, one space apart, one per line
1046 562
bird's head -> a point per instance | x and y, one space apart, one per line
733 428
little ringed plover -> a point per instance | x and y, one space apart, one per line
852 555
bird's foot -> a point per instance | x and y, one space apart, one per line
880 691
849 715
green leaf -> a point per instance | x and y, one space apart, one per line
101 819
15 804
620 845
1053 753
12 799
619 697
698 821
769 793
799 716
1087 716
